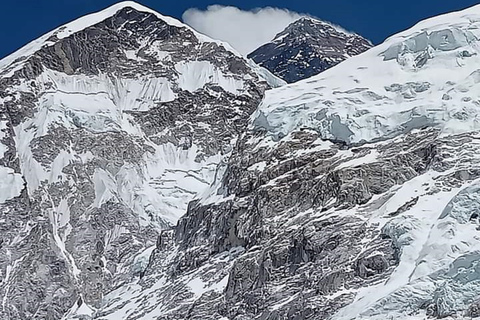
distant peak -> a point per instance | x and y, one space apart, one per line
123 4
311 22
307 19
307 47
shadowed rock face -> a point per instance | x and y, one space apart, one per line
98 127
291 218
298 233
306 48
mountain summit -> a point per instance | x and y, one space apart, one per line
306 48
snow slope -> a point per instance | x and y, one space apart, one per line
425 76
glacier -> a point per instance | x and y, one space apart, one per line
385 91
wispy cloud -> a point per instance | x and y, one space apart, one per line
244 30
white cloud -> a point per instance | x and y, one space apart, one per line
244 30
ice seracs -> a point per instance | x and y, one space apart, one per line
425 76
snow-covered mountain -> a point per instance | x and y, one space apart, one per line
349 195
306 48
109 126
352 195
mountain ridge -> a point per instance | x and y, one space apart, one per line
94 18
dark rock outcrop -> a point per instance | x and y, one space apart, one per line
306 48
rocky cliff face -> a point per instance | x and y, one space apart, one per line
306 48
109 126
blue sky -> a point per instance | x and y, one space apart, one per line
25 20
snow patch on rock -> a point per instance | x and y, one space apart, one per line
11 184
194 75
